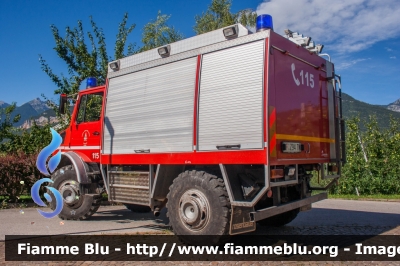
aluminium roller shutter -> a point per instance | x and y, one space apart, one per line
231 98
151 110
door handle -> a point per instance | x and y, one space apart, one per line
96 133
142 151
228 147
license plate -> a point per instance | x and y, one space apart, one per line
291 147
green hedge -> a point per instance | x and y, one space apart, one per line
15 168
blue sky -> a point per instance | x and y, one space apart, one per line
362 37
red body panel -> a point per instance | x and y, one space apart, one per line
224 157
292 112
298 103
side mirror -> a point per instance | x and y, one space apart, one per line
63 103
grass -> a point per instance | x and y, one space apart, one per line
21 197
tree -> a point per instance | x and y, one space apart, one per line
373 158
7 130
16 140
218 15
82 62
158 33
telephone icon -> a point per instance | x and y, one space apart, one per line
297 81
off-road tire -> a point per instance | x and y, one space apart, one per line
280 219
215 221
138 208
88 204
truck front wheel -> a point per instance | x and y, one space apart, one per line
77 204
198 204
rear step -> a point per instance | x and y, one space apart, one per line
275 210
129 187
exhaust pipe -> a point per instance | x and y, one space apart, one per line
156 212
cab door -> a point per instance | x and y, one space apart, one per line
86 127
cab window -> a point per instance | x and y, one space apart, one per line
90 108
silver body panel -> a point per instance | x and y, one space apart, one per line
121 136
231 96
151 110
190 53
181 46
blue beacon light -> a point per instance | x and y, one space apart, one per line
264 22
91 82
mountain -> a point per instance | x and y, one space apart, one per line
31 109
38 105
394 106
3 104
41 119
353 107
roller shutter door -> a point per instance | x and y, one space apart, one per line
151 110
231 98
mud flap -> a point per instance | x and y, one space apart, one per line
242 220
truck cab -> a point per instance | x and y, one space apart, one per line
84 132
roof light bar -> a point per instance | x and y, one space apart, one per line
230 32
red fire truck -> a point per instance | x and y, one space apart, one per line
225 129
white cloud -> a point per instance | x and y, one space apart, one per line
389 49
392 57
347 64
345 25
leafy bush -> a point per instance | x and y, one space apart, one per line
15 168
28 141
18 152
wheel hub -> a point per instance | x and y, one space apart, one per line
194 210
70 192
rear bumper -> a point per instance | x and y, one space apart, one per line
275 210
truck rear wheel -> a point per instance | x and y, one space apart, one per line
138 208
198 204
280 219
77 204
